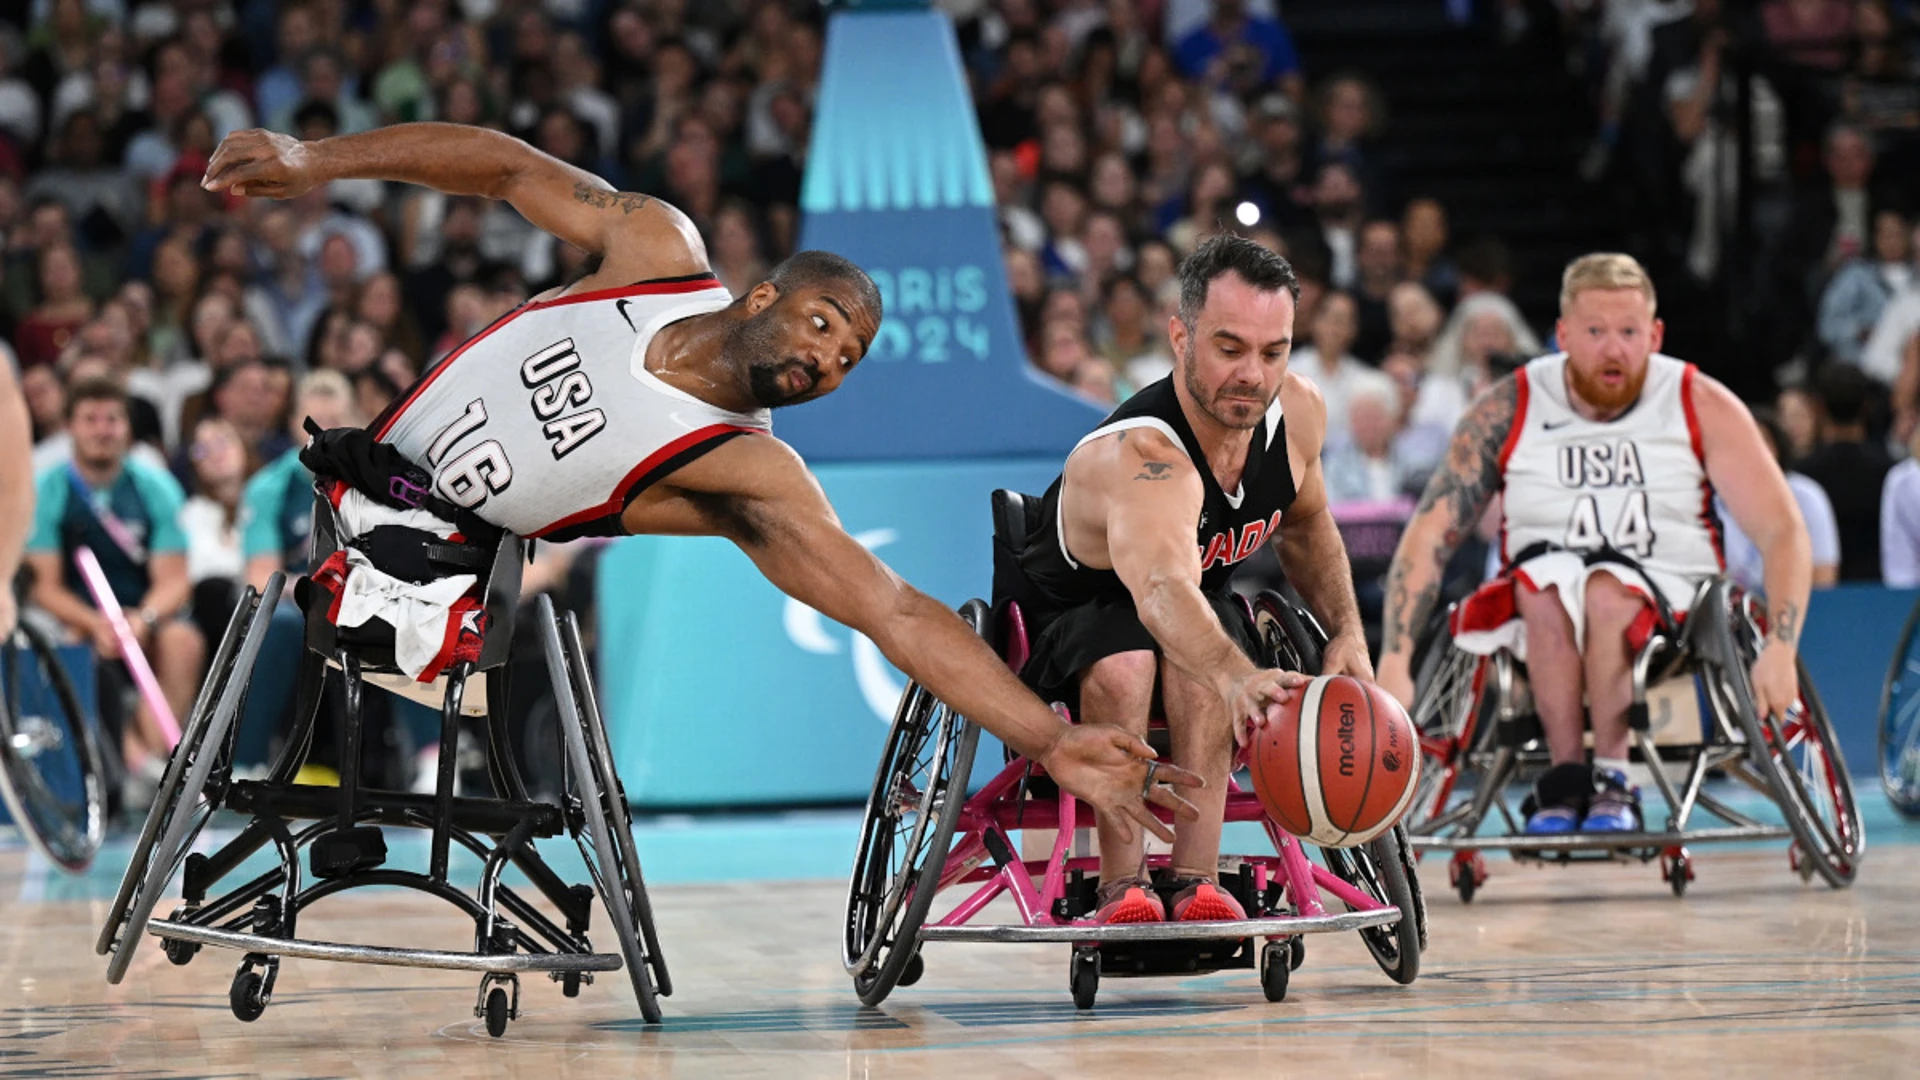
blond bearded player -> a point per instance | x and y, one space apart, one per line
637 400
1607 458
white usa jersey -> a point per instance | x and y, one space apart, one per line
548 424
1636 484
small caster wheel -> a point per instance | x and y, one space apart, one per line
1466 875
1083 977
1800 863
179 953
497 1012
915 968
1275 965
248 996
1296 952
570 984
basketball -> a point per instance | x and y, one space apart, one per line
1347 773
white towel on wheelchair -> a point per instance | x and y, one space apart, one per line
1489 620
419 614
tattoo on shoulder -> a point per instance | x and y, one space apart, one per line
1471 473
1786 624
1155 470
625 201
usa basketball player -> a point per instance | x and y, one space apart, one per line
1607 457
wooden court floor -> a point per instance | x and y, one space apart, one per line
1591 971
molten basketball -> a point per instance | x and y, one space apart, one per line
1339 767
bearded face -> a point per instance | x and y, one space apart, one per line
1610 335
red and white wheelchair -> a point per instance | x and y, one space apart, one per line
1693 726
923 836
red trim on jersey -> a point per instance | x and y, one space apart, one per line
1693 418
657 288
618 500
1519 420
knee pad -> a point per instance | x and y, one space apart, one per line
1565 785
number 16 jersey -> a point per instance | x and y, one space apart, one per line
548 424
1636 484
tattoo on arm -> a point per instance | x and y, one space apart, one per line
1460 490
1786 624
626 201
1155 470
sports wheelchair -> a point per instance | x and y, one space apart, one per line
1692 719
341 829
908 853
53 768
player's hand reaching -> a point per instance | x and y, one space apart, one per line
262 164
1107 767
1347 655
1254 699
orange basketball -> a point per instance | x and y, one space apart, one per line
1345 775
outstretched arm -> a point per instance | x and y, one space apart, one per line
1744 473
759 495
637 235
1448 511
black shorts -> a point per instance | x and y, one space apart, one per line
1066 643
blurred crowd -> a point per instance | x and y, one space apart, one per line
1120 133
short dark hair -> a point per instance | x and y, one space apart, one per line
816 269
98 388
1226 254
1843 391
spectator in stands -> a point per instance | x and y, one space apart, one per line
1339 205
1484 335
1801 421
1430 405
1698 99
63 308
1900 521
1240 51
210 521
277 505
1423 230
1366 468
1809 33
99 196
128 514
1379 264
1329 362
1834 223
1861 289
1348 114
1127 334
1851 468
1486 265
1823 533
1893 334
1274 171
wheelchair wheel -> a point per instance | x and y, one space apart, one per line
51 769
1293 640
182 806
619 813
1798 754
587 783
1900 722
918 793
1383 869
1446 705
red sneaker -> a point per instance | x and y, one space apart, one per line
1130 902
1204 901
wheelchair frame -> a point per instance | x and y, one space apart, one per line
1898 742
1472 713
923 774
345 841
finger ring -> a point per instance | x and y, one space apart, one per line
1146 788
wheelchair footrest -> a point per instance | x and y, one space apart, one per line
348 851
563 962
313 802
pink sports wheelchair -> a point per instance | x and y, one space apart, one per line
908 852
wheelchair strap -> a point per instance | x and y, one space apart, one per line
380 472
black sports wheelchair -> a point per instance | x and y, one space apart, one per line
330 840
1693 727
